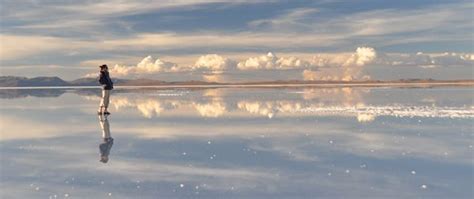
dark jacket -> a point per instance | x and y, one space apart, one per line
105 81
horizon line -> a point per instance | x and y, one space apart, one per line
256 85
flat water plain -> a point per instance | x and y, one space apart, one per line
338 142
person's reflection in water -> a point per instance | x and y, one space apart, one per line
108 141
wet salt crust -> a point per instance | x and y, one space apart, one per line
239 143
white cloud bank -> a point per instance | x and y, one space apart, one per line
271 61
425 60
328 66
345 67
214 63
146 66
362 56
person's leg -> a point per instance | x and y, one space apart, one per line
106 100
102 102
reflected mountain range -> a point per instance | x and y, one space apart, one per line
22 93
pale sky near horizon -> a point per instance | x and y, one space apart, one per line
220 40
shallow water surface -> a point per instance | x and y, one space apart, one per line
239 143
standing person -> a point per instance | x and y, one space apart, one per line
107 86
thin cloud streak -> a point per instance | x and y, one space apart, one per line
78 33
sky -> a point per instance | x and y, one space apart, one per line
240 40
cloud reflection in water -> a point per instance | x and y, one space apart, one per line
347 102
341 142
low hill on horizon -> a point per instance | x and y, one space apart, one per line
15 81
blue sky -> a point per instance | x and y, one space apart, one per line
70 38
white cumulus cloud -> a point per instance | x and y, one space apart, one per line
341 66
213 62
271 61
362 57
427 60
146 66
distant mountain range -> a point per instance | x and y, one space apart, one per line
11 81
14 81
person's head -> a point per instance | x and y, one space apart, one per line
103 67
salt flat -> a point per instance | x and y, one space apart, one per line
302 142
